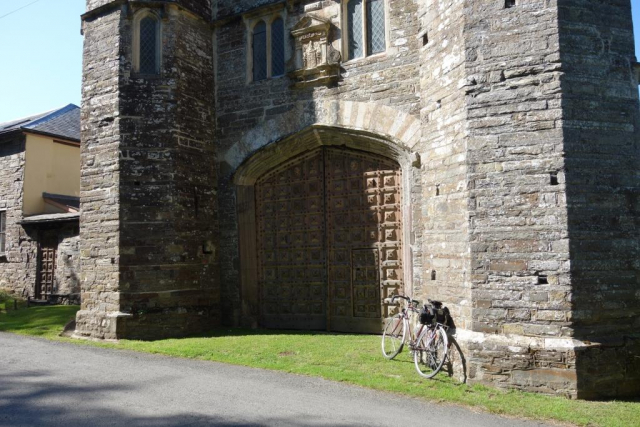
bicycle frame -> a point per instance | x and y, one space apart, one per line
407 313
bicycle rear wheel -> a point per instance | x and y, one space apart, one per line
430 352
393 336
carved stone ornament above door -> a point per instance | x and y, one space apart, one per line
315 60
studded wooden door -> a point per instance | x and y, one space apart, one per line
291 251
364 237
329 241
47 267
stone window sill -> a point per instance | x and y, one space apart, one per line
268 79
141 76
374 57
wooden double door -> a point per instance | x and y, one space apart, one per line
329 240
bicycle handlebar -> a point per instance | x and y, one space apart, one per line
409 300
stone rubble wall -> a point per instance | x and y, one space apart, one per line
67 273
100 177
18 266
441 219
518 225
601 124
162 279
168 189
553 249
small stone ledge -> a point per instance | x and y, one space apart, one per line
518 341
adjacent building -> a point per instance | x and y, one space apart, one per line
39 205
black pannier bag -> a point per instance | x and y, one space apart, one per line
427 315
430 315
443 316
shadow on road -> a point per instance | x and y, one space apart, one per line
35 397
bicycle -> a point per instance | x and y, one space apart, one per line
430 349
395 331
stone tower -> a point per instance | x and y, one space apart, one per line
499 141
148 186
530 131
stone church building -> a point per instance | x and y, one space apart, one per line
290 164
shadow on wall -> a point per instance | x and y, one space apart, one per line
31 398
603 197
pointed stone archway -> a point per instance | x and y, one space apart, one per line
342 295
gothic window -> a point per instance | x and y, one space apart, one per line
3 231
366 28
259 47
354 24
147 44
376 35
277 47
267 46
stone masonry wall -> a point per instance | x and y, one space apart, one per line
539 236
602 162
441 221
160 194
18 265
67 273
168 185
518 225
100 176
521 124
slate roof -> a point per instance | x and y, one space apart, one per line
62 123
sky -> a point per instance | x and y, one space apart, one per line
41 55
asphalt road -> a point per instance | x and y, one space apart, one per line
45 383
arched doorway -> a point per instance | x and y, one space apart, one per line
329 240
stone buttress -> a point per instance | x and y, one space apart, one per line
530 128
148 188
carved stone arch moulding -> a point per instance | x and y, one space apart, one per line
360 126
397 129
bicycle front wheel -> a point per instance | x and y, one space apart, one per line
430 352
393 336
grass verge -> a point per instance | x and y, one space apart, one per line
47 321
353 359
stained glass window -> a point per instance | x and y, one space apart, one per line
149 46
260 52
354 28
376 38
277 47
